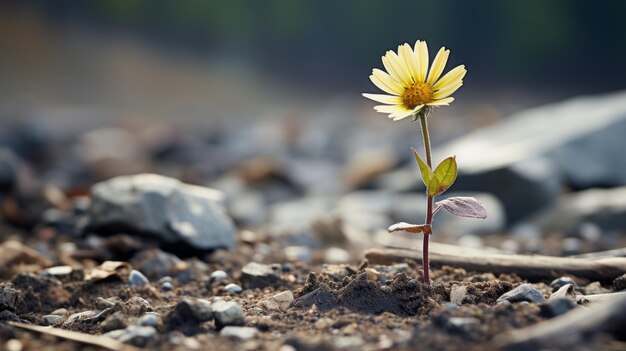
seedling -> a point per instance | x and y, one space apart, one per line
416 91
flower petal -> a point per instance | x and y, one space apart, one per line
385 99
385 82
441 102
396 116
389 108
439 63
451 78
421 56
396 67
447 91
405 52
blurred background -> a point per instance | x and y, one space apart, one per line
262 101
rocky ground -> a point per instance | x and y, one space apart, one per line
266 249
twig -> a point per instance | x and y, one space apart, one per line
95 340
532 267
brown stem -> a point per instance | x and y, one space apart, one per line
429 208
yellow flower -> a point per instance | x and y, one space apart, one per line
410 84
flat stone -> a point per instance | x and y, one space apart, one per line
524 292
52 319
258 275
163 208
134 335
233 288
239 332
278 302
227 313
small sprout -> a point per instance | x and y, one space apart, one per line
415 91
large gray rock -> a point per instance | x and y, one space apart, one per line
164 208
606 208
525 159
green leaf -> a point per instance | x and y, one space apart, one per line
445 173
427 173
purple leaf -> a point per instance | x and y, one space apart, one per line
411 228
464 207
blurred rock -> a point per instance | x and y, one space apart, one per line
233 288
156 263
134 335
298 253
218 276
558 283
136 279
557 306
595 288
291 220
525 159
239 332
8 296
258 275
524 292
278 302
52 319
111 152
605 208
227 313
161 207
620 283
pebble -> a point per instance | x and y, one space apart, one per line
620 283
239 332
218 276
227 313
258 275
558 283
458 293
278 302
167 286
52 319
233 288
336 255
149 319
524 292
8 296
298 253
557 306
137 306
595 288
136 279
135 335
14 345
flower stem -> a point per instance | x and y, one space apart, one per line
429 208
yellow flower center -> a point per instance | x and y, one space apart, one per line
417 94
